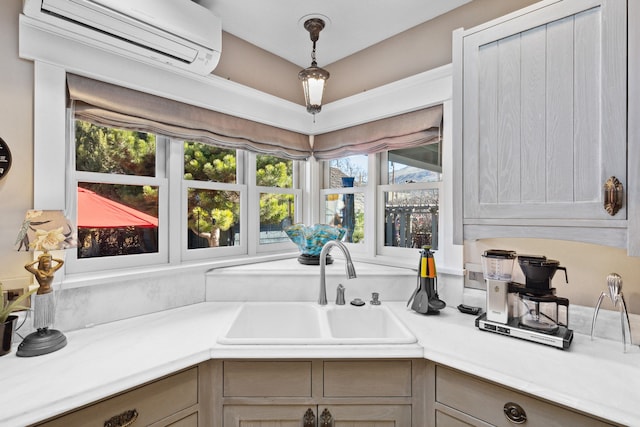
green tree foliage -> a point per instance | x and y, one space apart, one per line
211 210
208 163
106 150
117 151
358 232
275 172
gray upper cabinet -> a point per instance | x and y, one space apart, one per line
541 123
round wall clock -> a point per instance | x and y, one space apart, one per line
5 159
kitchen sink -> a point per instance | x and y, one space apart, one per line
299 323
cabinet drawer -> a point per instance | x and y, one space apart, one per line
485 401
380 378
267 379
153 402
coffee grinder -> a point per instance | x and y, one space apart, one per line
534 312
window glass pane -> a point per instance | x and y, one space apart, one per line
273 171
276 213
203 162
117 151
213 218
417 164
116 219
411 218
355 167
346 210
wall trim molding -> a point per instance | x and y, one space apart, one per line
43 42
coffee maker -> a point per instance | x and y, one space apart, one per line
530 310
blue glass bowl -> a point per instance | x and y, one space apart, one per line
310 240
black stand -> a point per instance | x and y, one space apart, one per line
313 259
43 341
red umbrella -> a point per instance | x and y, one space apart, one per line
95 211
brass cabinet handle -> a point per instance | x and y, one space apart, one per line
613 195
326 419
309 419
124 419
515 413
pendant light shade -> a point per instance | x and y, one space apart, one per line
313 78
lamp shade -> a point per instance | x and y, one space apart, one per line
313 81
46 230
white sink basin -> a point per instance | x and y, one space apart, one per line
266 323
369 325
299 323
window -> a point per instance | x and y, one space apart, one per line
411 197
274 181
120 189
406 188
346 208
213 197
122 182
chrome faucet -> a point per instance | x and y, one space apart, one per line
351 271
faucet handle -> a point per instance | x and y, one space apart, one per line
375 300
340 295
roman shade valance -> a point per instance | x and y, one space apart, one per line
392 133
110 105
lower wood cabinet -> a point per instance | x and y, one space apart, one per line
465 400
317 415
170 401
320 393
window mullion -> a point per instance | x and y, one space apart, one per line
176 211
253 201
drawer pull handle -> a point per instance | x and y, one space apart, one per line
613 195
124 419
326 419
515 413
309 419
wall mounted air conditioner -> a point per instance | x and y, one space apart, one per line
176 32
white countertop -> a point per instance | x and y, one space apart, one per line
592 376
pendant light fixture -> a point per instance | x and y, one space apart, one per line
313 78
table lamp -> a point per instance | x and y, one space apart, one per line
43 231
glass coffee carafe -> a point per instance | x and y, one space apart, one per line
545 313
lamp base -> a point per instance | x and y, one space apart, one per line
43 341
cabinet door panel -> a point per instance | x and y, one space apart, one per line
485 402
264 416
369 415
152 402
375 378
267 378
544 113
446 420
189 421
534 89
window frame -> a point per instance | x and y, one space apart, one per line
255 246
377 185
160 180
172 241
196 254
